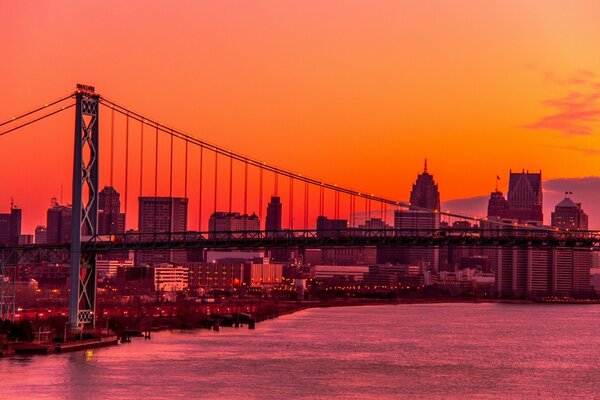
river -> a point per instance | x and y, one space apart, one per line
429 351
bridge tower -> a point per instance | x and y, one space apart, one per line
82 296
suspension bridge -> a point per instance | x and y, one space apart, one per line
149 158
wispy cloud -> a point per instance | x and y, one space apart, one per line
576 112
586 151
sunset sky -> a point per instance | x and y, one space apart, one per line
356 93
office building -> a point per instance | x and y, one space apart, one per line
425 193
40 234
273 220
157 216
533 273
331 227
110 219
225 225
569 215
524 203
10 226
58 223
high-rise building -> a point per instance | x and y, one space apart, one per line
222 224
110 219
157 216
40 234
10 226
331 227
273 221
58 223
497 206
524 203
530 273
425 193
525 197
569 215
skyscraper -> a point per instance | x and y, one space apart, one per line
159 215
524 202
10 226
569 215
525 197
273 221
425 193
110 219
58 223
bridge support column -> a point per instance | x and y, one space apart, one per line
82 296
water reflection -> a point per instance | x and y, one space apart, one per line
405 351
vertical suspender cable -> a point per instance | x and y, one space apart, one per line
200 191
260 193
305 205
185 187
245 188
216 179
126 159
112 143
230 183
156 164
291 201
142 160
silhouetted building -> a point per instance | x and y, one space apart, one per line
10 226
497 206
16 216
569 215
58 223
524 204
331 227
425 193
158 216
224 224
40 234
525 197
273 221
110 219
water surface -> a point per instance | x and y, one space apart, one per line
485 351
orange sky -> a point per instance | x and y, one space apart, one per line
356 92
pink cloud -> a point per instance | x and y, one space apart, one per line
577 112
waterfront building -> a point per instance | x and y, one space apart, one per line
569 215
218 274
227 224
346 273
108 268
170 278
262 274
159 215
341 255
425 193
530 273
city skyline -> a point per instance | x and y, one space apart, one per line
536 108
424 194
